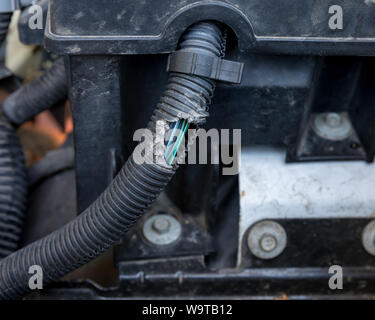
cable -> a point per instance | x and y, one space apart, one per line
13 189
131 193
37 96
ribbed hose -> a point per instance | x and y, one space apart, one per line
13 189
37 96
131 193
13 182
4 25
186 96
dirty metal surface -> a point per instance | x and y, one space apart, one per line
273 190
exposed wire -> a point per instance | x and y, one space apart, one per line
170 155
171 138
179 141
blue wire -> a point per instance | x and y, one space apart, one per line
185 125
171 139
177 139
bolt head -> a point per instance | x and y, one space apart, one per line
332 126
161 229
333 120
161 225
266 239
267 242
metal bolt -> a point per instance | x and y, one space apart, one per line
267 239
161 225
332 126
368 238
162 229
268 243
333 119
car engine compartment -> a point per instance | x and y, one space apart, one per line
262 184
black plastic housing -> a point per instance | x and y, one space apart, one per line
152 26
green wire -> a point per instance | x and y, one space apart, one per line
184 128
177 139
169 153
171 139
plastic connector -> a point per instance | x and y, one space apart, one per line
203 65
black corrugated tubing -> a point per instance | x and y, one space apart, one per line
13 189
39 95
130 194
13 181
4 25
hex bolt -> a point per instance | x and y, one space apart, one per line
266 239
333 119
161 225
368 238
162 229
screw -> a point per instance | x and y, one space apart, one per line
161 225
162 229
333 120
267 239
268 242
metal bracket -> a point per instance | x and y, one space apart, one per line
9 6
205 66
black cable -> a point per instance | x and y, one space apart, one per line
13 189
37 96
130 194
13 178
54 162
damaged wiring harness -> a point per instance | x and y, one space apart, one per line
137 185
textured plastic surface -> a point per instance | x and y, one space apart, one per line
153 26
